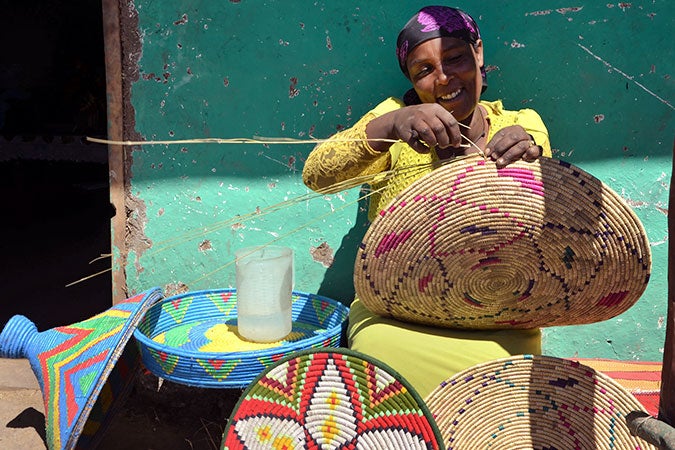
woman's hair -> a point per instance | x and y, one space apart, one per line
433 22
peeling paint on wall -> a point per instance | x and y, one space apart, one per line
322 254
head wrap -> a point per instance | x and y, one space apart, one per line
433 22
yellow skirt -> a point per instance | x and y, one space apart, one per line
425 355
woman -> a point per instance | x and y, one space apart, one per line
440 51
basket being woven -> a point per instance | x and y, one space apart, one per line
530 245
192 338
330 399
536 402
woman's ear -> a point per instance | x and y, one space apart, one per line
478 51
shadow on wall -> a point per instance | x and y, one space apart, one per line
338 282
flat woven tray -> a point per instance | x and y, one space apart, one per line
192 338
530 245
331 399
534 402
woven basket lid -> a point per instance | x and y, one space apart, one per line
537 402
84 370
330 399
530 245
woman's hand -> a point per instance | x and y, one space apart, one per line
420 126
511 144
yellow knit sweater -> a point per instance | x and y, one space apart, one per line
348 154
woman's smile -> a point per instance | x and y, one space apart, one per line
446 71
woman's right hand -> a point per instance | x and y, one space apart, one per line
421 126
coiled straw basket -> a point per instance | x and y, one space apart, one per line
529 245
534 402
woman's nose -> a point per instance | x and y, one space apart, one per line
443 77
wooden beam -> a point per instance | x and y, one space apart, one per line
113 65
667 399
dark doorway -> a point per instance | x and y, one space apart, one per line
54 185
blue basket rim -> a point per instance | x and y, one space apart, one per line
147 342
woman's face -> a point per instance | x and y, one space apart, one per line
446 71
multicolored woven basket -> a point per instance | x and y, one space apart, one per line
536 402
530 245
192 338
85 370
330 399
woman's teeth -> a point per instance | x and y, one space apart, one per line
451 95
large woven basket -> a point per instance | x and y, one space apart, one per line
331 399
192 338
530 245
534 402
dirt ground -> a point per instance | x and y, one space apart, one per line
173 417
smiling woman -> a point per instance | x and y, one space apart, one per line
440 51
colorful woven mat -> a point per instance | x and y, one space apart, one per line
330 399
530 245
641 378
536 402
84 370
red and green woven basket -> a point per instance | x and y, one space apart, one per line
330 399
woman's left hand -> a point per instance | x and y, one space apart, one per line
511 144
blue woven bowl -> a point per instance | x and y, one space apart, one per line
191 338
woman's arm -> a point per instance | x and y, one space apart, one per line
363 149
344 156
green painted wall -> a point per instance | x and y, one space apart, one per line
600 75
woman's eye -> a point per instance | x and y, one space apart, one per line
453 59
422 71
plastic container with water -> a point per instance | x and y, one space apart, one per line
264 292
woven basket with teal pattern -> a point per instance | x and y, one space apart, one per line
192 338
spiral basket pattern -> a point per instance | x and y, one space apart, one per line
330 399
537 402
85 370
192 339
529 245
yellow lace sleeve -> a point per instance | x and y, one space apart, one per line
347 155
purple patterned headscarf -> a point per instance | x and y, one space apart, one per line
433 22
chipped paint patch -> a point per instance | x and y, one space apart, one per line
205 245
176 288
569 9
182 21
491 68
635 203
598 118
292 90
662 210
544 12
322 254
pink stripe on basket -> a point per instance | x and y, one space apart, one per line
391 241
424 282
525 177
613 299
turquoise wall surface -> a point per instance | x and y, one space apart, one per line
599 73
